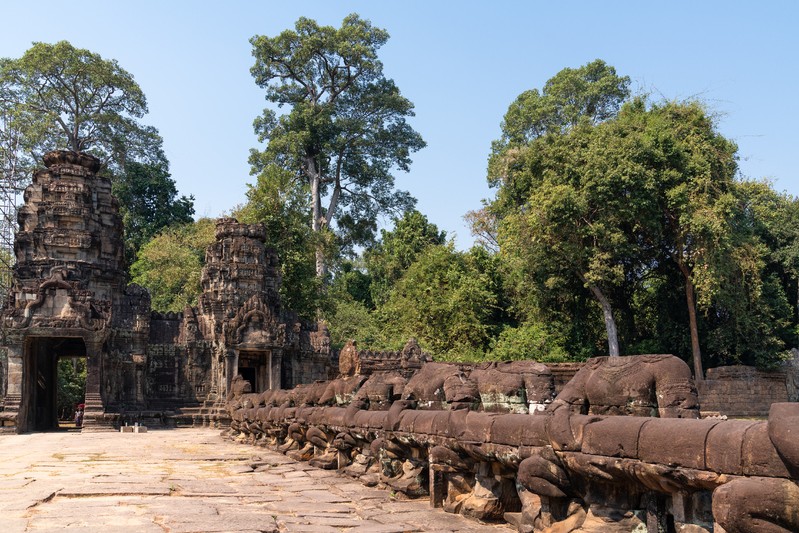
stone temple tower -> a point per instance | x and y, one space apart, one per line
69 291
70 299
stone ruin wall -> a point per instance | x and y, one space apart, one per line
743 391
621 447
730 391
70 297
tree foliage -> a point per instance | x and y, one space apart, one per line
444 301
413 283
388 260
528 341
57 96
592 93
169 266
559 205
280 203
346 130
641 205
71 386
149 203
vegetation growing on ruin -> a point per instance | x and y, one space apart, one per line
170 264
58 97
619 224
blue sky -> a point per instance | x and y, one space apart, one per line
461 63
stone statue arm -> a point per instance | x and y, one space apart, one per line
783 431
675 389
573 397
572 400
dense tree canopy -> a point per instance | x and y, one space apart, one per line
149 203
397 250
346 130
57 96
592 94
560 206
639 205
444 301
169 266
280 203
623 218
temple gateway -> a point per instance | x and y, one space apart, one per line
70 298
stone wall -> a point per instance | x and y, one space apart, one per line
731 391
741 391
165 328
70 297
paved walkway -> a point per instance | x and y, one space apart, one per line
190 480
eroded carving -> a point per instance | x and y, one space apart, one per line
566 468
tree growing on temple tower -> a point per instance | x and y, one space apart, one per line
61 97
58 97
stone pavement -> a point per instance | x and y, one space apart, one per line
188 480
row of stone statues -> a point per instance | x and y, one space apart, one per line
620 448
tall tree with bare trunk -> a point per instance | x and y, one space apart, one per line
346 129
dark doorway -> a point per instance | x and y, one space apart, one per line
254 367
41 388
248 373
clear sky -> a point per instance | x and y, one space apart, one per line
461 63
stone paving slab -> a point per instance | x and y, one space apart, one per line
191 480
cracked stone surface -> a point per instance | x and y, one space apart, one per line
191 480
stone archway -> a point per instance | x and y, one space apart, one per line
40 383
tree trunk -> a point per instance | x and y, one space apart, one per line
316 213
690 300
610 323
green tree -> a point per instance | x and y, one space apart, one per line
528 341
442 299
642 207
774 218
387 261
280 202
352 320
545 206
57 96
14 162
346 130
754 315
149 203
71 386
169 266
592 93
575 216
695 168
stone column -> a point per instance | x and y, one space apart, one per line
94 416
275 368
14 415
231 369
